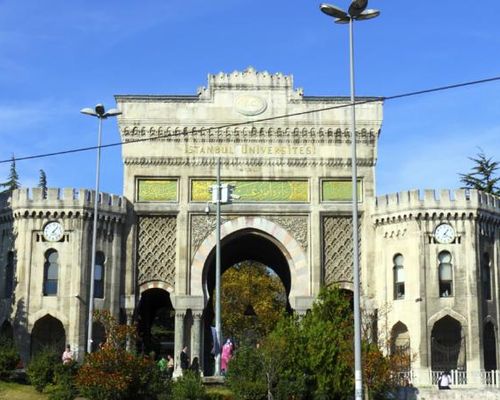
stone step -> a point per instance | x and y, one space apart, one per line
457 394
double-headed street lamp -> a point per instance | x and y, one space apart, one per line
99 112
357 12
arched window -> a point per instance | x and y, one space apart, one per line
399 277
9 275
51 273
445 274
99 275
486 276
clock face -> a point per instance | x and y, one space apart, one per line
444 233
53 231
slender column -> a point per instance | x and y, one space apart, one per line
130 320
196 336
179 339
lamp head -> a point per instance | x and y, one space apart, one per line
357 7
99 110
333 11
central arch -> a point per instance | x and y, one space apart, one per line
292 261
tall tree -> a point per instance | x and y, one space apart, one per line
483 175
13 180
250 283
42 182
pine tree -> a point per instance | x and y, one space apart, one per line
42 182
483 175
13 180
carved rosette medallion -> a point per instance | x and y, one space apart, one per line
337 249
250 105
156 249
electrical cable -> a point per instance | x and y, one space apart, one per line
255 121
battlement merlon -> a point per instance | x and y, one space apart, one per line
67 198
460 199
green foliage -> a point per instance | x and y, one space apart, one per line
482 176
41 369
311 357
252 283
113 373
42 182
13 180
188 387
64 387
246 376
9 357
219 393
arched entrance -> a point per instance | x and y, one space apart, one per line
6 331
489 347
48 332
155 322
246 245
447 345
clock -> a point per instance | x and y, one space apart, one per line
444 233
53 231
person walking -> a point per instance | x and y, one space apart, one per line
444 381
184 359
67 356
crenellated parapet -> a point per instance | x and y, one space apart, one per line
67 202
434 204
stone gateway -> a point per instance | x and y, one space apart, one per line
429 260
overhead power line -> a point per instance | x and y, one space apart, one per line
254 121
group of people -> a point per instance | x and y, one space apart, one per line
185 365
166 366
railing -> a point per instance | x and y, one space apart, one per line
460 378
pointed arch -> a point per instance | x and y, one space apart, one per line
291 249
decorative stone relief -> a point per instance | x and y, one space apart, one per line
296 225
156 249
337 249
203 225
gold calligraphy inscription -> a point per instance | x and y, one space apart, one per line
157 190
296 191
339 190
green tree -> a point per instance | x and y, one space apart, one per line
483 175
251 283
13 180
42 182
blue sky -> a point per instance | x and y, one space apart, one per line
57 57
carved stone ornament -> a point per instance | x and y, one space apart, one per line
156 249
337 249
250 105
202 226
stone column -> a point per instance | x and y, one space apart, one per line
179 339
130 320
196 337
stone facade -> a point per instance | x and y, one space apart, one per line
291 167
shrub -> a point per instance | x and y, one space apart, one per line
246 377
64 382
115 374
188 387
219 393
9 357
40 370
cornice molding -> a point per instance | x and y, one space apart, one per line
246 134
250 162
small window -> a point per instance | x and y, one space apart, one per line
51 273
9 275
486 276
99 275
445 274
399 277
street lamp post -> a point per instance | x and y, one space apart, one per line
218 323
357 11
101 114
